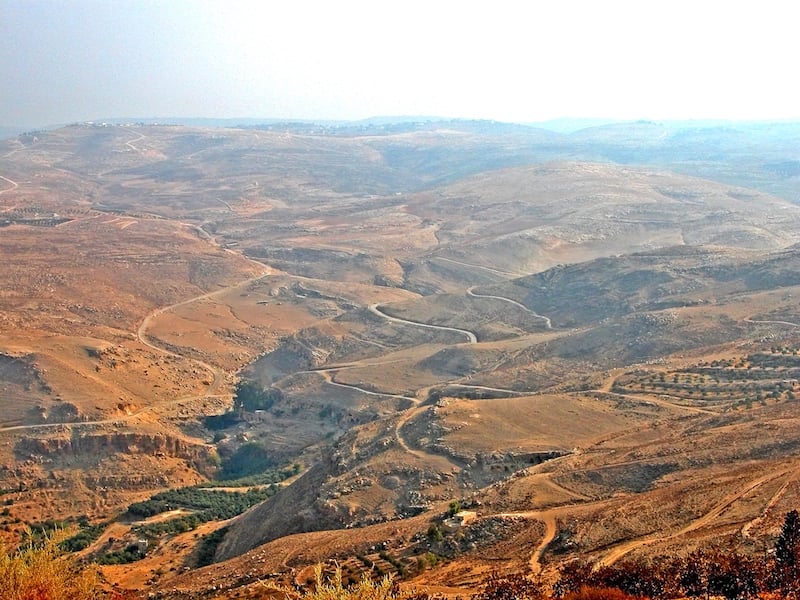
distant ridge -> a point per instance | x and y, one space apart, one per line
560 125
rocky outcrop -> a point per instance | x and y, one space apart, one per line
202 456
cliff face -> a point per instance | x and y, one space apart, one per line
201 456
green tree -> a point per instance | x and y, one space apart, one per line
251 396
786 572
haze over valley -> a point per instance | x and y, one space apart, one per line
326 301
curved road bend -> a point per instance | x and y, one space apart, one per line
14 185
326 375
550 531
792 478
549 517
547 323
130 143
141 334
471 337
787 323
491 389
141 331
110 421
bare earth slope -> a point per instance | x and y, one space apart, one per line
588 355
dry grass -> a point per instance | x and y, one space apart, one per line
366 589
39 573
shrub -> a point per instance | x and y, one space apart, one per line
252 396
212 504
249 459
121 557
84 538
208 546
366 589
599 593
40 572
510 587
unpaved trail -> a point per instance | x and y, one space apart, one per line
376 309
442 462
404 418
772 502
786 323
112 420
550 531
491 389
548 516
14 185
610 380
130 143
546 320
217 373
141 333
474 266
659 402
624 548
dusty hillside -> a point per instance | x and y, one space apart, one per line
455 446
417 317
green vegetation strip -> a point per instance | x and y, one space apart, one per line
39 533
211 505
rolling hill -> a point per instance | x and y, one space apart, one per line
573 335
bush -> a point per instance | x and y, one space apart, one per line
212 504
208 546
39 572
599 593
252 396
223 421
84 538
509 587
249 459
366 589
121 557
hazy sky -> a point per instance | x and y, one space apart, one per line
71 60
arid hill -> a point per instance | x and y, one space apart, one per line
595 358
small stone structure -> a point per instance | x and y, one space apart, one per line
459 520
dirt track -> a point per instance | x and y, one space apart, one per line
14 185
624 548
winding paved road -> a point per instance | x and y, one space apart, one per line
326 375
471 337
218 373
491 389
547 323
